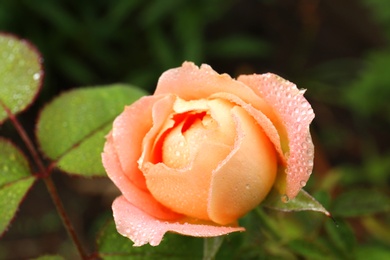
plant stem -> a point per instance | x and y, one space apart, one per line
64 217
27 141
44 173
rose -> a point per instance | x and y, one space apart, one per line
204 150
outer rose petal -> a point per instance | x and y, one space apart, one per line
141 198
129 129
296 114
261 119
239 179
190 82
142 228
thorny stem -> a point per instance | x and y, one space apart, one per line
45 175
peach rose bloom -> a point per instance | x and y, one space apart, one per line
204 150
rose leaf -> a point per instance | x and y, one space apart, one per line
20 74
15 181
302 202
72 127
111 245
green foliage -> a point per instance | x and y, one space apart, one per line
360 202
72 127
112 246
20 74
239 46
15 181
211 247
99 42
11 195
374 252
308 250
373 83
13 164
303 201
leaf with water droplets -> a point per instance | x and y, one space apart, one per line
72 127
111 245
302 202
20 74
15 181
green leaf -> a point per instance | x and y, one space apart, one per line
359 202
111 245
72 127
13 164
15 181
20 74
372 252
303 201
211 245
11 196
341 236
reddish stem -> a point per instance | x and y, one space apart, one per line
64 217
44 173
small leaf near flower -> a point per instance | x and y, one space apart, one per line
302 202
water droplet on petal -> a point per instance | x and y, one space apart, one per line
285 198
303 183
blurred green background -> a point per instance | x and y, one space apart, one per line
338 50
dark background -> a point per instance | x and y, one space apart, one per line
336 49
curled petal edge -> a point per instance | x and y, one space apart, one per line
137 196
142 228
296 115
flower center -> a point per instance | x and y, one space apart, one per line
198 122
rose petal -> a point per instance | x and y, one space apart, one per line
161 111
239 179
190 82
142 228
266 124
296 114
186 190
141 198
128 132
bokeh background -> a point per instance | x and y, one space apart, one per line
336 49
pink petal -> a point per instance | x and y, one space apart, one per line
186 190
263 121
137 196
238 185
142 228
296 114
161 111
190 82
129 129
